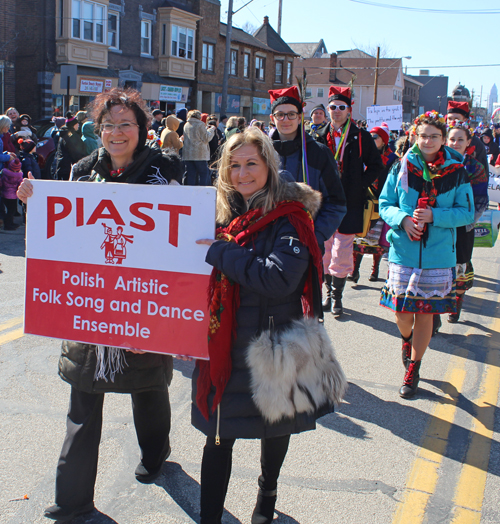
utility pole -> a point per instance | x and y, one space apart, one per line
375 85
280 13
225 79
481 97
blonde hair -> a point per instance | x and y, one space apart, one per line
232 121
194 113
5 122
269 195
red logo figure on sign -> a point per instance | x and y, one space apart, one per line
115 246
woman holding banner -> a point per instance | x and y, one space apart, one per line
122 119
266 279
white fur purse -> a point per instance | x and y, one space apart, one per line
295 370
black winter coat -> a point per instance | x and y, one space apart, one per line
323 177
70 150
361 166
145 371
279 276
480 153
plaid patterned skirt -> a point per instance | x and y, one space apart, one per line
422 291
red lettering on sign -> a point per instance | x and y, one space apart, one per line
80 220
52 216
149 223
99 213
175 211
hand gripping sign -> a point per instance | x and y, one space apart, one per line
117 265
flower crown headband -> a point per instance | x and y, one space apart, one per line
456 124
434 115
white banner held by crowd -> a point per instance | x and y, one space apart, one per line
391 115
118 265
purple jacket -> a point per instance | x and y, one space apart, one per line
10 182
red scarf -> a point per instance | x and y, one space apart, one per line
223 294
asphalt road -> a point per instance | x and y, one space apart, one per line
378 460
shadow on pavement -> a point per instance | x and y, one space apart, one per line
406 421
486 282
185 492
380 324
96 517
284 519
185 367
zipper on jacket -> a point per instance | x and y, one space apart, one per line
468 201
217 436
271 328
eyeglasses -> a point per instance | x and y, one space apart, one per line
126 127
292 115
333 107
374 136
430 137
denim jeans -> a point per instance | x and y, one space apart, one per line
197 173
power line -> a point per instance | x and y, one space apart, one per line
429 10
408 67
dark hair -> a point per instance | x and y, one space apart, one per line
242 123
425 120
465 129
129 98
212 122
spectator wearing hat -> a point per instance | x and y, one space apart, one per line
318 120
89 138
157 117
222 124
169 137
460 112
70 149
496 134
360 165
29 162
490 145
181 114
24 129
81 116
318 170
12 177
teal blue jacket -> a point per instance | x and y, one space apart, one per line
454 208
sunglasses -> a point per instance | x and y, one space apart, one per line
333 107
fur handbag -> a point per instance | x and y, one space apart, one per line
294 371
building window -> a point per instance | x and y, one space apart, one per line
182 42
309 93
399 96
61 17
88 20
394 94
234 62
207 60
145 37
278 75
321 92
289 73
246 65
113 30
259 67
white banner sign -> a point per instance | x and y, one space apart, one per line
118 265
391 115
91 86
170 93
494 184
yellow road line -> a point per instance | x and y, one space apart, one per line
469 494
11 335
11 323
424 474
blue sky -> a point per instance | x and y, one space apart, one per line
431 39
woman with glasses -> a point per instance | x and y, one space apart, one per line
122 118
427 195
374 243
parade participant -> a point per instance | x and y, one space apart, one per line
122 118
196 152
425 198
359 166
266 259
306 160
318 120
459 139
460 112
374 243
169 137
70 148
491 147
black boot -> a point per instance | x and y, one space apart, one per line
327 303
436 324
375 268
264 509
354 276
338 289
406 350
410 382
454 317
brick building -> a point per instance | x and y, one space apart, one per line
8 42
257 63
171 50
411 97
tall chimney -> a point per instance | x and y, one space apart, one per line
333 71
266 20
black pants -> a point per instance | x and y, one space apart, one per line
11 205
216 471
77 467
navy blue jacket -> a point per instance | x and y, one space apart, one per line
323 177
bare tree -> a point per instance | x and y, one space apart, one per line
249 28
386 51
